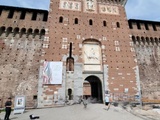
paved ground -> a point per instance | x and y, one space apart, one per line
78 112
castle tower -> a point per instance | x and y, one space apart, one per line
102 50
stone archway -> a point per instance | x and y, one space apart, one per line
95 88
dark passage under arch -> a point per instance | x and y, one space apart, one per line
96 88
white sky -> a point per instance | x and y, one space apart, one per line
135 9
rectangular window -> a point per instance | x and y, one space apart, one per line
65 40
116 42
154 27
34 16
117 49
138 26
0 11
11 13
23 14
64 46
146 26
130 25
45 16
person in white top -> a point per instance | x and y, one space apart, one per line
107 101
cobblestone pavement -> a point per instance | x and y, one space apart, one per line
77 112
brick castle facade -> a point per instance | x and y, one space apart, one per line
100 50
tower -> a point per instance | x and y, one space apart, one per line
102 49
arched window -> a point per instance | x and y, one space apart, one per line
156 41
36 32
70 64
152 40
29 32
9 30
104 23
2 30
61 19
16 31
143 40
118 25
90 22
42 33
76 21
147 40
70 60
23 31
134 39
138 40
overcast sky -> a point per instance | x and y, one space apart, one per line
135 9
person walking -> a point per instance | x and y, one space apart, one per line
107 101
8 106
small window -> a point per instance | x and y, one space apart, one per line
29 32
138 26
9 30
154 27
146 26
0 11
45 16
35 97
34 16
130 25
23 14
76 21
11 13
61 19
90 22
16 31
118 25
104 23
2 30
23 31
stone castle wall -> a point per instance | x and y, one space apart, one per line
21 43
146 39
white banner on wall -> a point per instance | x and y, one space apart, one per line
52 72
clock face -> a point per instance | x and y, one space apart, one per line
91 54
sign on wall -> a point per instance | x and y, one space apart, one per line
19 104
52 72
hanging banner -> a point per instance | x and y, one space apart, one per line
52 72
19 104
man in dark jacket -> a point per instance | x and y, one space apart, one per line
8 106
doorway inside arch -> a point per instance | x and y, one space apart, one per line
70 94
93 89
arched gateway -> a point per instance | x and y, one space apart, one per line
92 87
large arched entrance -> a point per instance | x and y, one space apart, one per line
95 88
